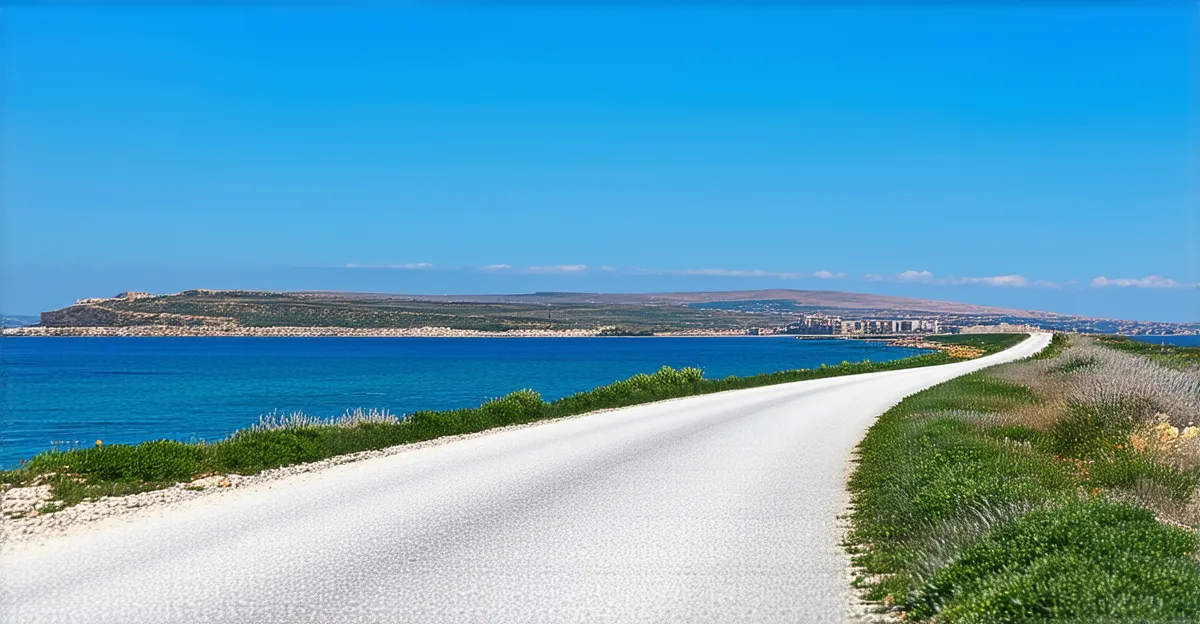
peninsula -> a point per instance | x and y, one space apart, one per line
203 312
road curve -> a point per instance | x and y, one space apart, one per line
720 508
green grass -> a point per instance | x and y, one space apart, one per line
976 392
988 343
118 469
917 469
1073 365
1086 431
1169 355
1097 437
961 515
1085 560
1058 342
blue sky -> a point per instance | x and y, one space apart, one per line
1032 156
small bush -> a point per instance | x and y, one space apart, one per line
1091 429
1080 559
156 461
249 452
1058 342
1126 470
1073 365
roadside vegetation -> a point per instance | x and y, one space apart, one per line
1170 355
986 343
1062 487
284 440
971 345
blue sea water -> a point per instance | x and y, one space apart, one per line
60 392
1179 341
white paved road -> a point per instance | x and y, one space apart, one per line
721 508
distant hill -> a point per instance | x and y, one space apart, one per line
629 314
806 298
209 308
17 320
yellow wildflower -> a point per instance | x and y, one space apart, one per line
1165 432
1189 433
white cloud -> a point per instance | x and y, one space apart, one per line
823 274
1012 281
915 276
910 276
924 277
558 268
736 273
410 266
1150 281
927 277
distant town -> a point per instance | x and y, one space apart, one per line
820 320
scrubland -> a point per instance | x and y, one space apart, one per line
1063 487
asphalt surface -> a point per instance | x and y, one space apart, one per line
721 508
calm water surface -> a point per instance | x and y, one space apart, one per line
63 391
1179 341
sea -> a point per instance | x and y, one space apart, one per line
1179 341
63 393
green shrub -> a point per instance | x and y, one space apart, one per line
1090 430
1079 559
1071 366
1125 469
1019 434
249 452
1058 342
155 461
518 407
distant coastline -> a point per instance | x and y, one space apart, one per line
918 341
212 313
168 331
200 331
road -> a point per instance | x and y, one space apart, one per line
721 508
